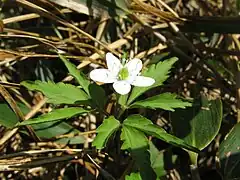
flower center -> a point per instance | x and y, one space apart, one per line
123 74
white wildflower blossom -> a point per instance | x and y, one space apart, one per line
122 76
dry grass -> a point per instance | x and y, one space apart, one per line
32 32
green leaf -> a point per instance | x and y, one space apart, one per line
159 72
156 58
132 138
7 117
52 129
157 160
166 101
94 91
71 140
198 125
55 115
134 176
145 125
77 74
229 154
161 161
43 130
96 7
105 131
136 142
59 93
98 96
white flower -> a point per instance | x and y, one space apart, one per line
122 76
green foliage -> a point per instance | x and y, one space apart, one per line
105 131
145 125
95 92
59 93
57 128
158 161
229 154
7 117
136 142
71 140
166 101
132 138
134 176
43 130
98 96
55 115
198 125
134 127
156 58
122 100
77 74
159 72
208 62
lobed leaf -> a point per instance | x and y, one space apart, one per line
145 125
95 92
105 131
59 93
166 101
159 72
136 142
134 176
77 74
161 160
132 138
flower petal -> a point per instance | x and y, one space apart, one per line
102 75
134 66
113 63
122 87
142 81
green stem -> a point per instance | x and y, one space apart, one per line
120 113
194 166
193 157
194 172
122 100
